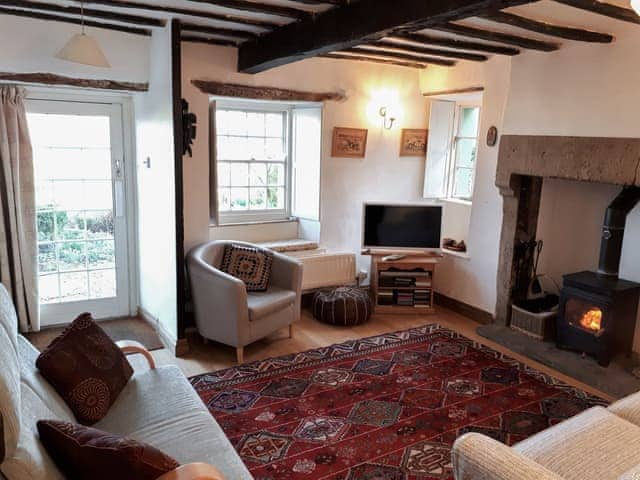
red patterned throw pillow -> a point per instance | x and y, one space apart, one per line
86 368
250 264
86 453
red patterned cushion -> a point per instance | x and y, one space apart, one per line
86 453
86 368
250 264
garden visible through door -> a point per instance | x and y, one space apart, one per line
81 214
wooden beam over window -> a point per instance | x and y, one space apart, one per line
221 89
353 24
569 33
52 79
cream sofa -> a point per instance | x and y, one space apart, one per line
597 444
158 406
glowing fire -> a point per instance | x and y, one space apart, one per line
592 319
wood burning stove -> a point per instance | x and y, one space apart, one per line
597 315
598 310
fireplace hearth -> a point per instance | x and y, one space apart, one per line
597 315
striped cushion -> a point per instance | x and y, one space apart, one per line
342 306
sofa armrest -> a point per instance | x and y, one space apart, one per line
193 471
130 347
286 272
478 457
627 408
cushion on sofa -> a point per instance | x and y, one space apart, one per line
593 445
86 368
161 408
261 304
85 453
249 264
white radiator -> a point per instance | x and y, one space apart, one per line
324 268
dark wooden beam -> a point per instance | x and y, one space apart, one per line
498 37
569 33
397 63
453 91
606 9
75 21
457 44
263 93
255 7
127 4
88 12
52 79
356 23
211 41
231 32
401 56
420 50
321 2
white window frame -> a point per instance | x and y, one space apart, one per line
265 215
451 176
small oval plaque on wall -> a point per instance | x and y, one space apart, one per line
492 136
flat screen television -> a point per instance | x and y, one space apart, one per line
402 226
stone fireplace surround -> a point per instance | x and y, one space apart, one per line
524 161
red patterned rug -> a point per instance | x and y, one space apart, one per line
381 408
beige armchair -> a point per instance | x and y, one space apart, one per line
227 313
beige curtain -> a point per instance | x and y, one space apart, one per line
18 249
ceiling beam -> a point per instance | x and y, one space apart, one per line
353 24
338 56
400 56
255 7
568 33
320 2
457 44
75 21
127 4
230 32
498 37
403 47
210 41
603 8
88 12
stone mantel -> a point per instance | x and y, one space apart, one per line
590 159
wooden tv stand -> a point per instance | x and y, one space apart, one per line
403 286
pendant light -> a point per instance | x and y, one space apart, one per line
83 48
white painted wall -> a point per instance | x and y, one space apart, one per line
345 183
473 280
156 189
30 45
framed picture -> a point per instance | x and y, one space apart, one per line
413 142
349 142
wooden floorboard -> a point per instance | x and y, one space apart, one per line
309 333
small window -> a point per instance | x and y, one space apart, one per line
253 160
452 150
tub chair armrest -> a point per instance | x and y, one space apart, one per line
478 457
193 471
286 272
130 347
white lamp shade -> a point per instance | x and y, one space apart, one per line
635 4
85 50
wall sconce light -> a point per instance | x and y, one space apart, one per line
387 120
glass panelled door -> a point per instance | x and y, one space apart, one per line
81 215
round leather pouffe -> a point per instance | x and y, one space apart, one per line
342 306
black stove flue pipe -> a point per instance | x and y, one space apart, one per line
615 220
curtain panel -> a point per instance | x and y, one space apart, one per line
18 238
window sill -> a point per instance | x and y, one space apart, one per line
459 201
464 255
254 222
